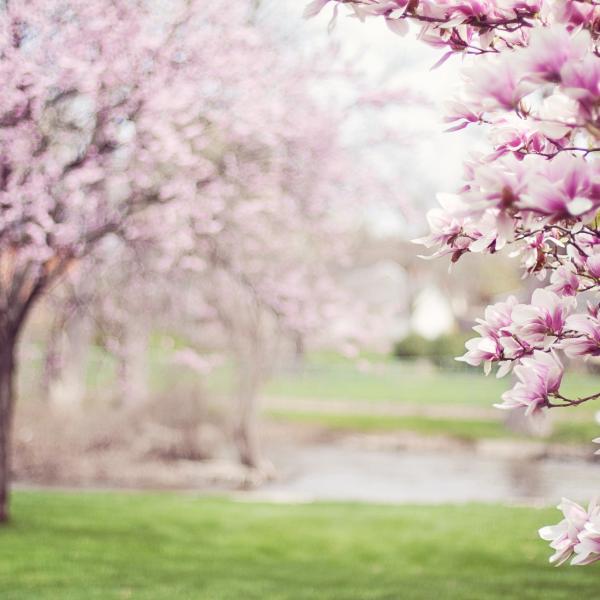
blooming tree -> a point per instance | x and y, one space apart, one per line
254 257
112 113
260 271
269 274
532 80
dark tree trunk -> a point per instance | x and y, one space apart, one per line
7 397
246 429
17 298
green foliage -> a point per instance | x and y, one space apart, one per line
412 346
166 547
441 350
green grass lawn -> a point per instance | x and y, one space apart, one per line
407 383
119 546
327 378
567 432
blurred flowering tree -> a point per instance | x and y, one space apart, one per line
256 255
532 79
81 144
178 129
270 273
124 118
63 117
260 271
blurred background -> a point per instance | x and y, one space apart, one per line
287 343
295 344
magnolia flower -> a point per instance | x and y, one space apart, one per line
490 232
564 537
574 12
565 281
497 318
540 322
460 112
495 83
587 343
588 549
564 188
532 252
556 116
482 350
581 80
443 228
446 225
539 376
592 264
493 328
517 140
497 184
549 49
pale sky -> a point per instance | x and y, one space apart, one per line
432 160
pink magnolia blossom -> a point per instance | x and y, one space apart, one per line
544 319
539 376
495 337
532 252
565 537
446 227
575 13
495 84
592 264
461 112
517 140
581 81
587 340
566 187
587 551
549 50
564 281
499 184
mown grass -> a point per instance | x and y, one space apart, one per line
407 383
569 432
168 547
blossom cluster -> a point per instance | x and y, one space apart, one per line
192 132
532 80
526 338
94 141
577 536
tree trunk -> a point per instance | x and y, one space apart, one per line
133 370
66 386
7 396
246 429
